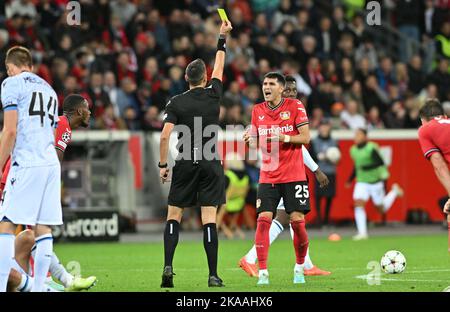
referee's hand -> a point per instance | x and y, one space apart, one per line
225 28
164 175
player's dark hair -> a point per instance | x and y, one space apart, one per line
195 72
363 130
432 108
274 75
290 78
72 103
19 56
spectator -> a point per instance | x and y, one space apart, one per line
21 7
373 95
402 78
292 68
152 120
239 70
232 95
234 115
4 39
355 94
443 41
322 97
162 96
395 117
131 119
109 121
367 50
373 119
238 21
339 23
123 9
178 84
99 98
364 69
307 50
415 74
346 73
385 73
59 71
245 49
285 13
441 78
357 28
350 117
126 68
116 95
326 39
412 120
316 117
407 13
313 73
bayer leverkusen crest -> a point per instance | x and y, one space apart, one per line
285 115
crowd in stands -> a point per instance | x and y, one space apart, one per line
128 57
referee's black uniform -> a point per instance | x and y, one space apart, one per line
198 175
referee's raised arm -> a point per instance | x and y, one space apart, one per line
219 63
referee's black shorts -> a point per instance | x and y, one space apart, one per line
202 183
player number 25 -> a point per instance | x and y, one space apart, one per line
39 111
301 189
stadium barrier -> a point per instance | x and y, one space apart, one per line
401 152
116 171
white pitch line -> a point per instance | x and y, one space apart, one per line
363 277
428 271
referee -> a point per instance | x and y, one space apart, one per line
196 177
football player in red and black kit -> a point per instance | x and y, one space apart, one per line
434 138
280 128
76 114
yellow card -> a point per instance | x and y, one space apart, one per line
222 14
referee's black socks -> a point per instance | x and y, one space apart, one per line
211 244
171 234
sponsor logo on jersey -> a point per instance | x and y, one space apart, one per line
273 130
261 117
285 115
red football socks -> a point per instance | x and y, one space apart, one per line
300 240
262 241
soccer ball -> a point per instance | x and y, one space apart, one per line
333 154
393 262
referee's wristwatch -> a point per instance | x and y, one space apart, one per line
162 166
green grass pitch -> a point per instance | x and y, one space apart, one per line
138 266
